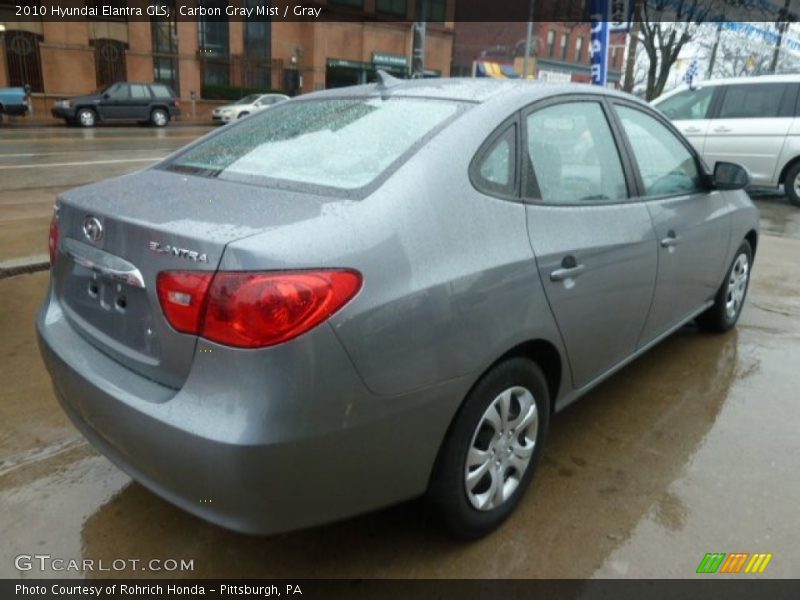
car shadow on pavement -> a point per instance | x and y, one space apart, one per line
610 459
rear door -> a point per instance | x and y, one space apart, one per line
691 222
689 111
751 126
139 104
594 244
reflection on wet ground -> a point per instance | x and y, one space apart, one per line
690 449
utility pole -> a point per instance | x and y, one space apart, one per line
714 49
418 42
783 24
528 41
633 45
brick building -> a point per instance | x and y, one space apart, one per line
224 57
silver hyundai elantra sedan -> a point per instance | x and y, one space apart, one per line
374 293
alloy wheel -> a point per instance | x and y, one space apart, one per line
737 285
501 448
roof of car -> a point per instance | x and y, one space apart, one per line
466 89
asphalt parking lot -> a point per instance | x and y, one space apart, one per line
690 449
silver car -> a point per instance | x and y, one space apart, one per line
375 293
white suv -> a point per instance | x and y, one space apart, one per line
245 106
753 121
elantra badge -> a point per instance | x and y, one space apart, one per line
179 252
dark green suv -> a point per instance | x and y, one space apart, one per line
153 103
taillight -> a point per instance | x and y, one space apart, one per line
52 242
253 309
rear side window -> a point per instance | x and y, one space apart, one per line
139 91
573 156
755 101
496 167
342 143
161 91
689 105
667 167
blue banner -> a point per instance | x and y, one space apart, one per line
599 46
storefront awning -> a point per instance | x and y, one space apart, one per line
485 68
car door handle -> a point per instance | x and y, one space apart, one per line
567 273
722 129
670 241
692 130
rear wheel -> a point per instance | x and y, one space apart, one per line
490 453
791 184
727 307
86 117
159 117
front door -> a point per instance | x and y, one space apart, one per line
689 111
691 223
751 128
594 245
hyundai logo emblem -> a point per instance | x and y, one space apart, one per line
92 228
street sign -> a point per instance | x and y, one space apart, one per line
598 49
620 15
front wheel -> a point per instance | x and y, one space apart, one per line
86 117
242 114
728 302
490 453
791 184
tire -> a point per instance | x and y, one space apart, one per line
159 117
242 114
791 184
457 490
86 117
728 302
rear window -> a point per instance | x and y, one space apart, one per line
161 91
342 143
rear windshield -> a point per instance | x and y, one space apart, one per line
341 143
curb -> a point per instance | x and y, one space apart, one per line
21 266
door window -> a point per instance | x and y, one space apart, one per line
689 105
572 157
753 101
667 166
118 91
497 166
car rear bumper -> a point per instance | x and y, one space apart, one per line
259 447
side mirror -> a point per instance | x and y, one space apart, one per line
730 176
106 96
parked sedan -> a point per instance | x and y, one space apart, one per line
379 292
245 106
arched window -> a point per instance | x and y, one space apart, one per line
23 60
109 62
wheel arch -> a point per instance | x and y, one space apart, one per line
752 238
785 170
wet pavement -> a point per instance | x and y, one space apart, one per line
690 449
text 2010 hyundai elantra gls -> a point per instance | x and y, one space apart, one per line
374 293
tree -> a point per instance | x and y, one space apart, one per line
662 40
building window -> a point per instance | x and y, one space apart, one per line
579 50
164 34
564 46
395 8
109 62
214 47
23 60
434 11
615 58
256 72
551 43
351 3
